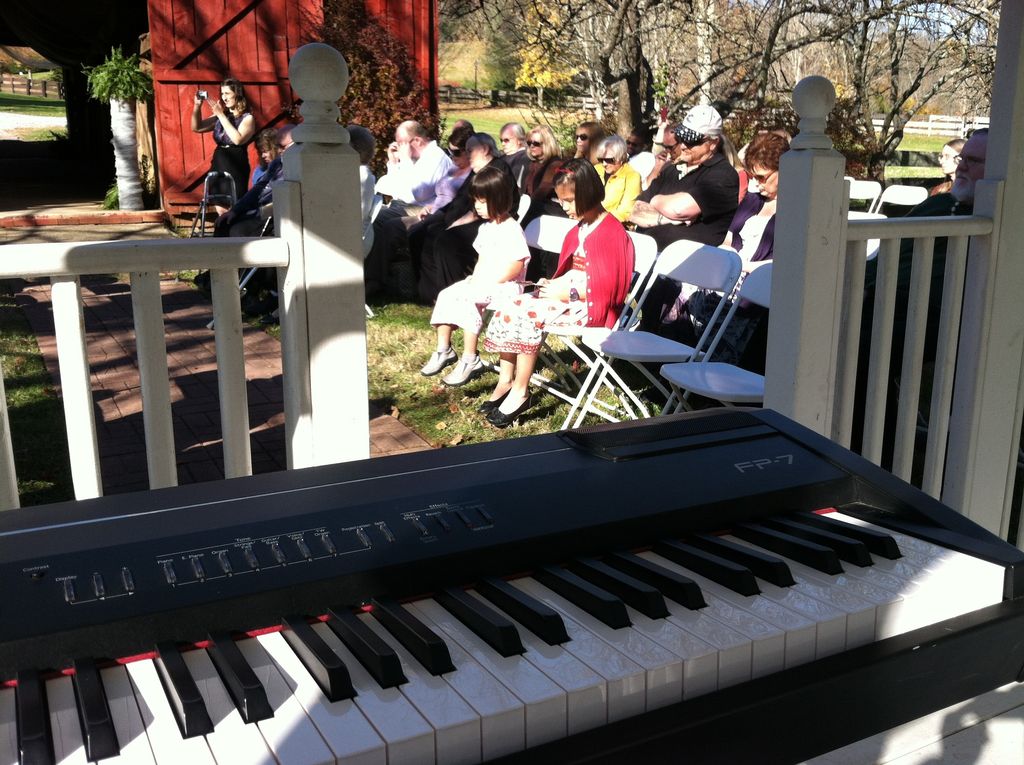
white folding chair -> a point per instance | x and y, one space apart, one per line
864 191
699 265
718 380
570 389
897 194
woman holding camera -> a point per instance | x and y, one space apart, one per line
233 127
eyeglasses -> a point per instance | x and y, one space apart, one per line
670 146
534 143
689 138
961 158
763 178
455 151
607 160
582 137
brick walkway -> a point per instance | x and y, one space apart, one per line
192 367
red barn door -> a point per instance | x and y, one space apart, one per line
198 43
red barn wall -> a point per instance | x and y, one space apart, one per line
197 43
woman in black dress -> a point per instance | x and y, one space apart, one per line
233 127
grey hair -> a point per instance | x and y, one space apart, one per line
613 146
517 130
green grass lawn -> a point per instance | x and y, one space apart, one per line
43 107
35 413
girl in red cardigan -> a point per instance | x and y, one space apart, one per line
588 290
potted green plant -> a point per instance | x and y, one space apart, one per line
121 82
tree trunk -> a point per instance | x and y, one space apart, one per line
126 162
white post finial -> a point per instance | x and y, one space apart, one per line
813 99
319 75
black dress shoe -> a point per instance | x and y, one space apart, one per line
489 406
499 419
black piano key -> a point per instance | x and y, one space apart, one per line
877 542
542 620
803 551
764 566
94 712
490 626
846 547
182 693
378 657
35 744
735 576
634 592
600 604
243 686
422 642
316 656
671 584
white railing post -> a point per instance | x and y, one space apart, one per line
986 420
807 280
9 498
322 292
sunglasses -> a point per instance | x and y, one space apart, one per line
607 160
534 143
583 137
762 179
688 137
455 152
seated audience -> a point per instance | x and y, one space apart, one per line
638 146
364 144
588 136
621 181
947 162
244 219
513 146
539 181
588 290
266 147
499 272
696 191
441 245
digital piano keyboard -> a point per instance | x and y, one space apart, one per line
723 587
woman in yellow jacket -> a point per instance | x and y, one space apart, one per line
621 181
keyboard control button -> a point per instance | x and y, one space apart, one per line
304 550
328 544
250 558
169 573
443 523
278 553
364 538
127 580
197 569
424 531
224 562
70 595
99 586
386 531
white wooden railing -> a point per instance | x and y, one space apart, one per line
973 415
318 252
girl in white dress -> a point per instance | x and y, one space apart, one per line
499 273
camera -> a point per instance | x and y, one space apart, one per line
201 94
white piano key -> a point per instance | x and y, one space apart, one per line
8 728
626 680
502 714
290 733
68 747
124 711
169 748
768 641
700 660
544 701
231 739
663 670
860 614
960 582
408 737
889 605
586 691
342 726
830 621
456 725
735 650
